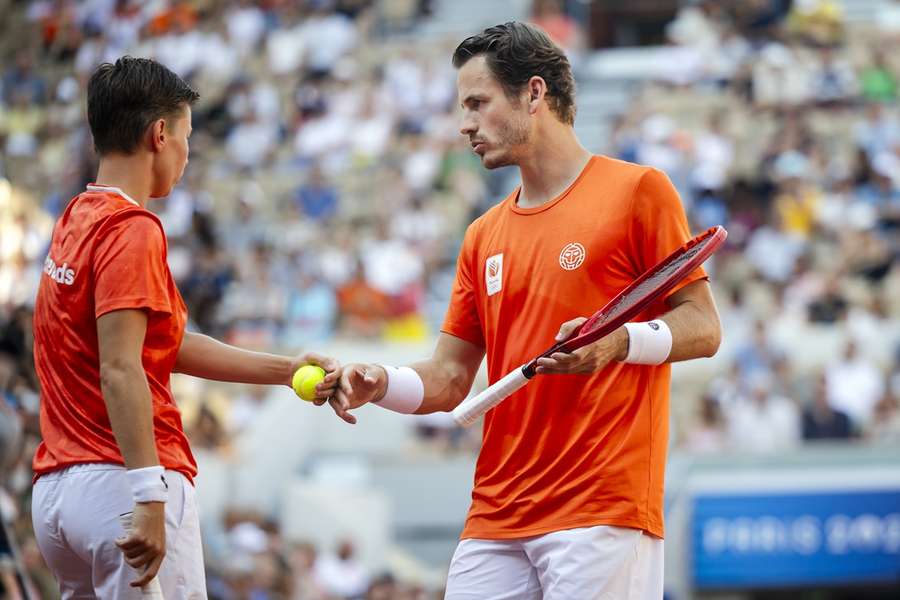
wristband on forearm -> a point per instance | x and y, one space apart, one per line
649 343
148 484
405 390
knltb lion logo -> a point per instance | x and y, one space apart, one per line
572 256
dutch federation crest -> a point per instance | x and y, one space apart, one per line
572 256
493 274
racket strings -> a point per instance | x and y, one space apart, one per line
626 301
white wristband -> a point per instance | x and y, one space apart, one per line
405 390
649 343
148 484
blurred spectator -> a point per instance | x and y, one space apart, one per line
877 81
758 356
709 436
302 561
251 142
20 81
877 131
855 385
383 587
246 24
21 125
821 421
774 250
363 309
207 432
885 427
562 28
762 423
341 574
245 407
317 198
833 78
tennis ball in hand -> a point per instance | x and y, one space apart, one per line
305 380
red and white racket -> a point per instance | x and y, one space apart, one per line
618 311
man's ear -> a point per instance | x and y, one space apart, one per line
158 135
537 90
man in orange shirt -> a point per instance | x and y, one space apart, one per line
568 494
109 329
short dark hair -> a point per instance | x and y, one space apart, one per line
515 52
126 97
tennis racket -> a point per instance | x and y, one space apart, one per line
618 311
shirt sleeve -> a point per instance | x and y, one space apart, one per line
462 318
660 224
129 265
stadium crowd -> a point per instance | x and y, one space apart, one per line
328 191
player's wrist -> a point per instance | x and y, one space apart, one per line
287 368
649 343
623 343
404 390
148 484
382 383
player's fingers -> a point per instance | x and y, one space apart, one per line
312 358
358 376
326 388
566 329
363 379
549 365
345 385
339 404
135 551
330 365
370 376
331 378
129 542
141 560
564 358
148 574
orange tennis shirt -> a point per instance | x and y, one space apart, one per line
106 254
568 451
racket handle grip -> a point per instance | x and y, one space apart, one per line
151 590
469 410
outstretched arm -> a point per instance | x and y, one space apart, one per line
207 358
446 379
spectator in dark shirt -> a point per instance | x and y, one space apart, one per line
821 421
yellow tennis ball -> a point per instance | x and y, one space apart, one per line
305 380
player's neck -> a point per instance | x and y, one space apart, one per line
128 173
552 166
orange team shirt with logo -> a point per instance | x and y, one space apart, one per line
107 253
568 451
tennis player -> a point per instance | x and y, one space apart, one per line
109 329
568 494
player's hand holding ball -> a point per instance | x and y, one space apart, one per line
305 380
314 377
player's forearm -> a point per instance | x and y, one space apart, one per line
130 409
696 331
202 356
445 385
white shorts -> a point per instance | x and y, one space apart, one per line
76 511
589 563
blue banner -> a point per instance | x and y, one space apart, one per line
800 539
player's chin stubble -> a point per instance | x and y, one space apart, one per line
512 134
